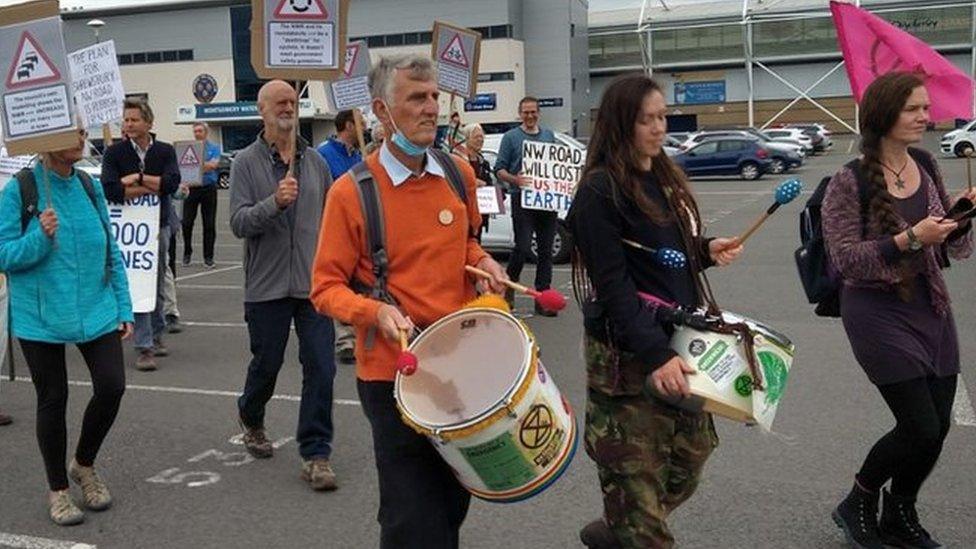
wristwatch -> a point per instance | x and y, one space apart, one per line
914 244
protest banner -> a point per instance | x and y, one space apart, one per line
97 84
37 111
457 51
351 89
555 170
190 155
490 200
298 39
9 165
135 226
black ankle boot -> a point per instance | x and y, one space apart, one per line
900 526
597 535
857 515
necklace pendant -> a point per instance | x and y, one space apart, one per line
900 183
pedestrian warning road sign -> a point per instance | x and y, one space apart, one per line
31 66
454 52
189 158
301 9
457 51
352 52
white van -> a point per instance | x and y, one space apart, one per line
960 142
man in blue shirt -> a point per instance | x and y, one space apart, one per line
340 151
204 196
341 155
526 222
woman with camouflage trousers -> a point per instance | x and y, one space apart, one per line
649 454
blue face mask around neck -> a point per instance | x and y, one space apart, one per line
408 147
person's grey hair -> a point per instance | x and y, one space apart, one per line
381 76
203 125
469 129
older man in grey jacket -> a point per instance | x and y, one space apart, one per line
278 211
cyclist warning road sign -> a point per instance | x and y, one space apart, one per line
31 66
352 52
454 53
457 51
298 39
36 110
352 88
301 9
190 154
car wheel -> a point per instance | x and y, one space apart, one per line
777 166
223 181
749 171
964 149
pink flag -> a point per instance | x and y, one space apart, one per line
873 46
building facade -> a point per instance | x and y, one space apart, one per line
529 47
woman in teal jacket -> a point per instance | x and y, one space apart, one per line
63 290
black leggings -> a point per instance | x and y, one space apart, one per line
47 366
907 454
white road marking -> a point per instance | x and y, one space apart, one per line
17 541
193 391
210 287
214 324
205 273
962 409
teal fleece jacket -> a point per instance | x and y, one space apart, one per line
58 291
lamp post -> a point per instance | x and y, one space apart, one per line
96 25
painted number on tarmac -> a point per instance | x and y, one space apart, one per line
195 479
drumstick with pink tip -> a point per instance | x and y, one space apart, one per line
406 363
549 300
785 193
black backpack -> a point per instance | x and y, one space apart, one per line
821 281
27 185
369 200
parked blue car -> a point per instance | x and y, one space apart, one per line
726 156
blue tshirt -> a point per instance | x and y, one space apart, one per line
510 150
338 157
211 152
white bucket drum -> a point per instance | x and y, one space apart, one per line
484 399
724 384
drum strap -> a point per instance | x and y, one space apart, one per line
369 200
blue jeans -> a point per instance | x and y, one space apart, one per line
148 327
269 326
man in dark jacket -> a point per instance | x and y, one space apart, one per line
137 166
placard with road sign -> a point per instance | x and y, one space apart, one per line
352 88
190 155
97 84
457 51
298 39
35 95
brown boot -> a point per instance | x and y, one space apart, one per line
5 419
256 441
319 474
146 361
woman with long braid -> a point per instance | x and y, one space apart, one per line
649 454
884 226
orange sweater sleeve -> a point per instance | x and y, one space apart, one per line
340 246
475 252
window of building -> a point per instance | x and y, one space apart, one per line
169 56
185 55
426 37
411 38
138 58
154 57
496 76
125 59
375 41
394 40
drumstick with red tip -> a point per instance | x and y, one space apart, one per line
549 300
406 363
785 193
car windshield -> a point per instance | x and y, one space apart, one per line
568 140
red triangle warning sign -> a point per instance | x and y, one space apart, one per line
454 53
189 158
352 53
301 9
31 66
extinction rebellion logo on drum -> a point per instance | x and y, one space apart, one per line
538 430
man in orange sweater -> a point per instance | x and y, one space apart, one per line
429 235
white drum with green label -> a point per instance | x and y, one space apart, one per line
724 383
484 399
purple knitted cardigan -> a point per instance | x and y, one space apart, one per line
871 261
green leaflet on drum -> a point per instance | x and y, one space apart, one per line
500 463
774 375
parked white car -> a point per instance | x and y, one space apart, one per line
500 236
789 135
960 142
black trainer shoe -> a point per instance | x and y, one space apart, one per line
173 325
857 516
544 312
597 535
186 260
899 523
